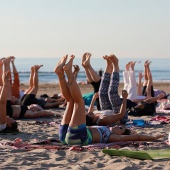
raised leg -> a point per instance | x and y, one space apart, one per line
16 81
65 91
114 84
3 92
104 86
78 116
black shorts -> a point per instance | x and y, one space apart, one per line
29 99
9 109
144 93
23 111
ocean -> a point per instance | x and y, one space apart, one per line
160 68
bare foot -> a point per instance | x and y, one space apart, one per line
86 63
7 60
84 59
1 61
12 60
109 66
37 67
133 65
59 67
76 68
68 67
128 66
114 59
149 62
145 64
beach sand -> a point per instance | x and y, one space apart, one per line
52 158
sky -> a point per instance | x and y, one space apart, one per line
53 28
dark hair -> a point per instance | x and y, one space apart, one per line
100 72
89 121
126 132
13 128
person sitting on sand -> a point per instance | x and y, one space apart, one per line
7 124
25 111
73 129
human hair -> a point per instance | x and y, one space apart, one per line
89 121
126 132
13 128
100 73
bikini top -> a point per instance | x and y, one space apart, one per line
104 113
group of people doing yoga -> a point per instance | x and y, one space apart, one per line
78 126
28 106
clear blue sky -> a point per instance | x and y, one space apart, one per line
53 28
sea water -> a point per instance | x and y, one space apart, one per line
160 68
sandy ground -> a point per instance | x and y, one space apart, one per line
52 158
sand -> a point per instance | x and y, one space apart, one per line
52 158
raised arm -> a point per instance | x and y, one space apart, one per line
91 107
111 119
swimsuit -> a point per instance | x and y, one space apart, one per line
104 132
2 127
28 99
104 113
23 111
9 109
144 93
81 135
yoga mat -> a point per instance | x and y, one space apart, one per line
143 155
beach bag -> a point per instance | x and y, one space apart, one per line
149 109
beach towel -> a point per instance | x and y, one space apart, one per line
161 119
143 155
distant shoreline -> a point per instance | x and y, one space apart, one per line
51 88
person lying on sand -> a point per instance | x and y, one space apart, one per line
7 124
73 129
30 110
92 77
147 104
112 106
30 95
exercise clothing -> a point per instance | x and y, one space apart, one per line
9 109
108 92
28 99
96 86
104 132
81 135
23 111
2 127
78 135
144 93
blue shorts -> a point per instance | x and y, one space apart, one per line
78 135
